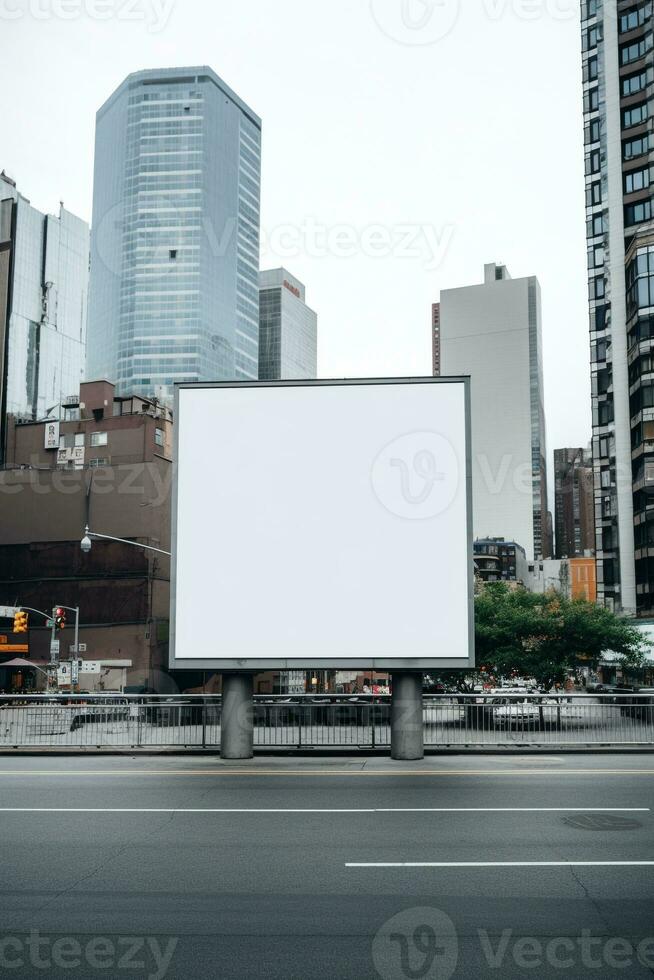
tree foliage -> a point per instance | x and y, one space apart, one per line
547 636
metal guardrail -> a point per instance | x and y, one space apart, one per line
331 721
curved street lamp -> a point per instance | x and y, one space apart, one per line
90 536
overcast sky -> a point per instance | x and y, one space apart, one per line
405 144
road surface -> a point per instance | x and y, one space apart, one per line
187 867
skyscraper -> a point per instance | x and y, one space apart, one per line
44 275
175 241
492 332
618 72
574 507
288 329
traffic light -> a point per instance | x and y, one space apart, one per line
20 622
60 618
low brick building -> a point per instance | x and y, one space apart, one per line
107 461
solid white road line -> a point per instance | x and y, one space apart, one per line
502 864
226 810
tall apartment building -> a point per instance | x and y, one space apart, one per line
44 278
175 241
436 339
618 78
288 329
574 503
492 332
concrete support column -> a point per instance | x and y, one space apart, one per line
237 724
407 732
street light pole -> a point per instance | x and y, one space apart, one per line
90 536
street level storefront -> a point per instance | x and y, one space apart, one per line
19 676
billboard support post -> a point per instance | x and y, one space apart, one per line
407 732
237 719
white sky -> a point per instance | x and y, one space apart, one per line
447 130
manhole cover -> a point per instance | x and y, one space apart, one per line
601 821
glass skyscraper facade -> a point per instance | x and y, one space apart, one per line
175 234
44 281
288 329
618 81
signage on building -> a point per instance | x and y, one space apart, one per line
8 612
345 531
74 455
52 435
13 643
292 289
90 667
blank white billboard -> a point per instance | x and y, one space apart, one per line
322 524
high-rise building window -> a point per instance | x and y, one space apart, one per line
636 115
591 100
636 83
636 50
593 162
636 180
635 18
637 213
636 147
640 282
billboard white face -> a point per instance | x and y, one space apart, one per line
322 524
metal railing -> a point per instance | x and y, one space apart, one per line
330 721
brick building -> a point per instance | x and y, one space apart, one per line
107 461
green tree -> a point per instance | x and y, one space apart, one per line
547 637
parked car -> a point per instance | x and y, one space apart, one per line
515 713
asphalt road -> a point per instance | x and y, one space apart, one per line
455 867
